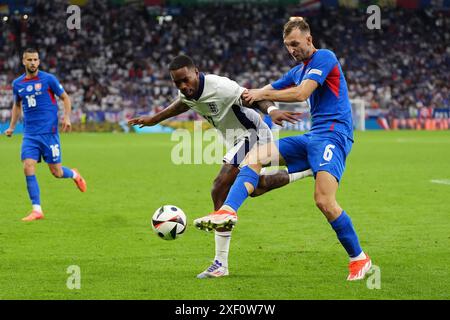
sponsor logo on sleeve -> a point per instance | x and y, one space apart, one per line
315 71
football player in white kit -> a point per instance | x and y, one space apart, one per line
218 100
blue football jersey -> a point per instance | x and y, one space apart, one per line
329 103
40 109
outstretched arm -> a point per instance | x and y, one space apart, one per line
15 116
268 107
294 94
175 108
267 87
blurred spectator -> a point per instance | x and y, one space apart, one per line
118 60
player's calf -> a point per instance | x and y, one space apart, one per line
222 184
277 179
57 172
269 182
219 190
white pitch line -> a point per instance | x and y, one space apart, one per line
443 181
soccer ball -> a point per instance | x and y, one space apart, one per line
169 222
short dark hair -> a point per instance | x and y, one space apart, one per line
30 50
181 61
295 23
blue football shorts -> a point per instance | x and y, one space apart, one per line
316 151
42 146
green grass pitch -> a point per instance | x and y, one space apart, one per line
282 247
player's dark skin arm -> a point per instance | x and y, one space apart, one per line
175 108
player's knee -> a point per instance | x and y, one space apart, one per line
253 161
28 168
324 203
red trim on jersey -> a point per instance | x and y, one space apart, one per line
52 95
333 80
309 59
332 126
30 79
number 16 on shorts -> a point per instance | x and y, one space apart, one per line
55 150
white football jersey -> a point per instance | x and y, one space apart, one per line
221 105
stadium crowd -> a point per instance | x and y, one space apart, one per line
118 59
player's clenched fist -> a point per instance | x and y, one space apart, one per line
9 132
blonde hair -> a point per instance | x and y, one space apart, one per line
295 23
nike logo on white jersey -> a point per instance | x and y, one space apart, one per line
20 90
322 164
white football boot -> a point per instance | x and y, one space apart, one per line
215 270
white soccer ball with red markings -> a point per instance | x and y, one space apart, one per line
169 222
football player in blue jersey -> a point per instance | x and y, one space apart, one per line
34 94
319 80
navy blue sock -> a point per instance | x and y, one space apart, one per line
67 173
33 190
347 234
238 192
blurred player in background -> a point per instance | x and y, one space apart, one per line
319 80
34 93
218 100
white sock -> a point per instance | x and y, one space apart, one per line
222 247
37 207
300 175
75 175
270 170
361 256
